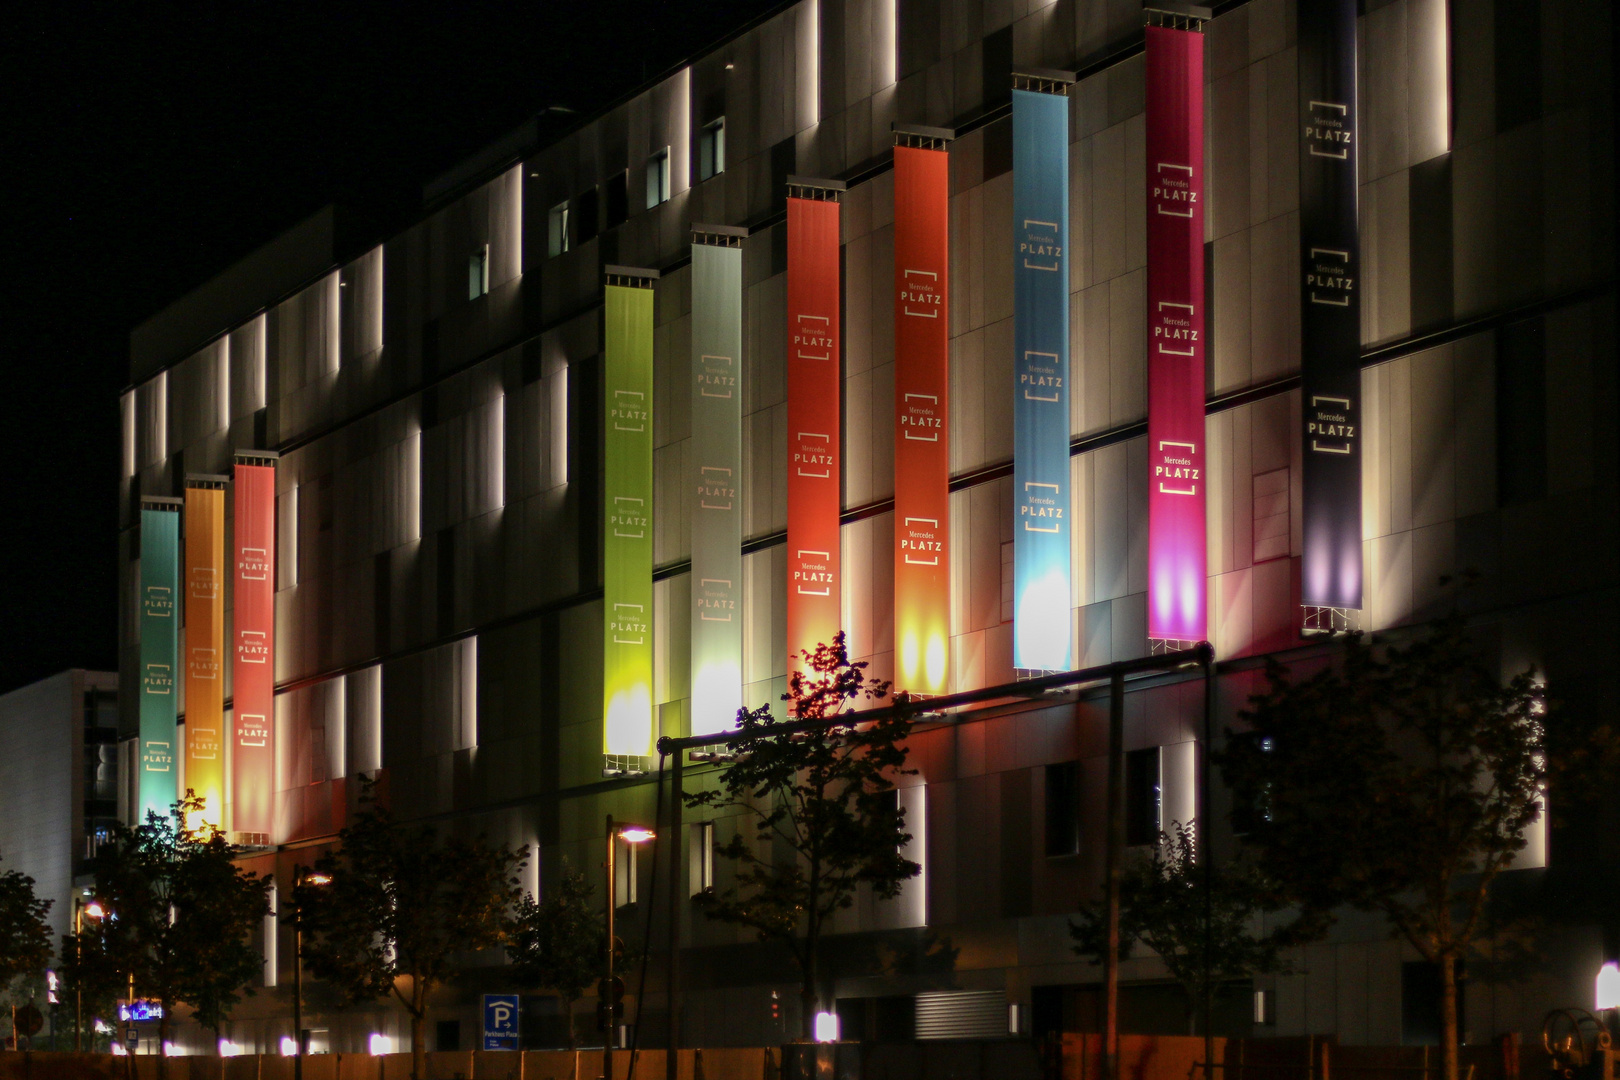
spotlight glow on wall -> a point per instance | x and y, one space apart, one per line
377 1045
1607 991
289 1046
229 1049
826 1027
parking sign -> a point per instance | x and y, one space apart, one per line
500 1021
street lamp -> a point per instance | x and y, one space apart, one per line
300 879
80 910
630 834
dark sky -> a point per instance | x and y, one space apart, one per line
148 146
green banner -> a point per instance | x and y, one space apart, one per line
627 539
160 619
715 486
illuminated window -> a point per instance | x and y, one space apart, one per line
658 178
712 149
557 230
1142 797
478 273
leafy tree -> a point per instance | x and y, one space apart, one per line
1162 905
557 944
25 936
1399 780
819 794
399 901
179 917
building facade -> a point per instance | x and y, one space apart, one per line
439 400
59 783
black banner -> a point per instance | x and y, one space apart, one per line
1330 294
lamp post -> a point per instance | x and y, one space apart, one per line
630 834
80 910
300 879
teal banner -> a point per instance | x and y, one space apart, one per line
160 647
1041 538
715 490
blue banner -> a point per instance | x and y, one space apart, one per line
1041 586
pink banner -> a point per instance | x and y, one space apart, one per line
1177 556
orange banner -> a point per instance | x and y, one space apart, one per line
813 616
205 646
922 563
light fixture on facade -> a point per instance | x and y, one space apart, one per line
636 834
1607 992
289 1046
826 1027
377 1045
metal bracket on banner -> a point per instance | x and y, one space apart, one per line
624 765
161 502
1166 646
630 277
807 187
1326 621
268 458
922 138
1043 80
207 481
1174 15
719 235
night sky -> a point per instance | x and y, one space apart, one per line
149 146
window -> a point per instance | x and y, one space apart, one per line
1063 809
658 178
616 199
557 230
585 215
1142 797
700 859
478 273
1420 1003
712 149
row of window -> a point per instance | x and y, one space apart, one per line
1143 803
581 212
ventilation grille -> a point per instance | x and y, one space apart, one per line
962 1014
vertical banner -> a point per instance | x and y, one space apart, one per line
922 462
1041 587
715 485
1330 315
815 427
253 666
160 618
1177 555
627 540
205 645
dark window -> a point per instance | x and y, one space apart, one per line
1420 1003
1063 809
585 215
478 273
1521 413
712 149
449 1035
616 200
1518 62
1142 797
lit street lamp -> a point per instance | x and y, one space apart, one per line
300 879
630 834
80 910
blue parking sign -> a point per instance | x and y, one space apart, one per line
500 1021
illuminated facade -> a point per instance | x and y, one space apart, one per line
445 410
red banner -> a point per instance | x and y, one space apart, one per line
253 757
1177 555
922 563
813 615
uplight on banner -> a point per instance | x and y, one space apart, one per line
715 488
922 500
1330 305
160 620
627 539
253 670
814 424
205 647
1041 536
1177 555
